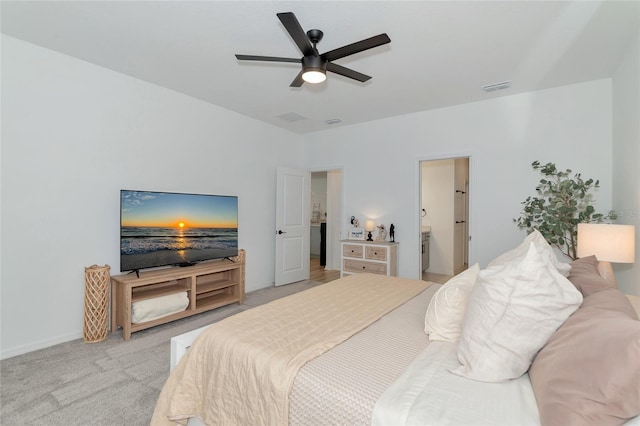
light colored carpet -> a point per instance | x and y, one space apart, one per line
113 382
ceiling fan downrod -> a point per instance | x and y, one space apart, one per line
315 36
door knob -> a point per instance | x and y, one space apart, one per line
280 231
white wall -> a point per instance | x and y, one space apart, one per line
570 126
626 158
73 135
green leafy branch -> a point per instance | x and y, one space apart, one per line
562 202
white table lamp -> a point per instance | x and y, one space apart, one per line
609 243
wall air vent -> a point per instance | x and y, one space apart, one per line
333 121
291 117
497 86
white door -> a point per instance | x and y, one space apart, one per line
293 198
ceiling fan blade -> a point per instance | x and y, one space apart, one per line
297 82
266 58
356 47
347 72
296 32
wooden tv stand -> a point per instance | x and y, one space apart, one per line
208 285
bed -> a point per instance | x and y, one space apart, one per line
384 370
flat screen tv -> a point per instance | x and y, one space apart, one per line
165 228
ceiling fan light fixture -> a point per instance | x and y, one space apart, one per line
314 69
314 76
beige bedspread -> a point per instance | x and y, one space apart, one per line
342 386
240 370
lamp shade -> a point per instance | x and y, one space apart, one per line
609 243
369 226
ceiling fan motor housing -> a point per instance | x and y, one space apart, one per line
310 63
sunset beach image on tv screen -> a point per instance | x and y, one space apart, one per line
162 228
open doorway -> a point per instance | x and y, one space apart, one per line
326 211
444 218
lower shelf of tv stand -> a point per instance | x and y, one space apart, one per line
208 286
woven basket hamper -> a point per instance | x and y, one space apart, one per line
96 303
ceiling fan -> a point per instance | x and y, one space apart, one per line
315 65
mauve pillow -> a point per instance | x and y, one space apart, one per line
585 276
588 373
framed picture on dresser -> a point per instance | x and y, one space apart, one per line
356 234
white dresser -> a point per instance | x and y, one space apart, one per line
375 257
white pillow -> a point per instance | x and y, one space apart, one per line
513 310
543 248
445 313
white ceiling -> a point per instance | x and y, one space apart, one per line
441 52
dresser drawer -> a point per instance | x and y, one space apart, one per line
352 250
375 253
374 257
358 266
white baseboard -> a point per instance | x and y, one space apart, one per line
41 344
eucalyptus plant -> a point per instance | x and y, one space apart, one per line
562 202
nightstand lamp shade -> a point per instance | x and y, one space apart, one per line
609 243
369 226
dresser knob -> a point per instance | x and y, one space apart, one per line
363 267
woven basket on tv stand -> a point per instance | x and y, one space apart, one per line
96 303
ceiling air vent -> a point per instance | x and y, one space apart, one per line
497 86
291 117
